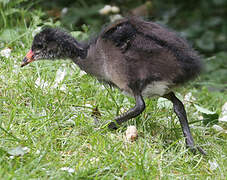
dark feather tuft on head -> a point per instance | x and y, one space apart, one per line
53 43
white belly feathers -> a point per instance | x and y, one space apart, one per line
156 88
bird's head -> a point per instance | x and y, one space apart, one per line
53 43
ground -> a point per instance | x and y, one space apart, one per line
47 130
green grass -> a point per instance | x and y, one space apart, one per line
58 128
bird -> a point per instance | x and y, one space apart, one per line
141 58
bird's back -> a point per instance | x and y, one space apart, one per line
188 59
135 54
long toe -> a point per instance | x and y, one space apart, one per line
192 149
112 126
201 151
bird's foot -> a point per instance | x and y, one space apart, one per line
112 126
194 150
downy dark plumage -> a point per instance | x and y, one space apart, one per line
141 58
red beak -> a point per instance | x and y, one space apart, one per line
28 58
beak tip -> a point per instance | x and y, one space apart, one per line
22 65
28 58
24 62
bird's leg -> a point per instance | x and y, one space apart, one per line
181 114
131 113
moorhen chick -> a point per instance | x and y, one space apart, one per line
140 58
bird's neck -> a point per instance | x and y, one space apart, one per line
73 49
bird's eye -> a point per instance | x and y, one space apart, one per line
39 46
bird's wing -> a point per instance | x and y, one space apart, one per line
133 32
121 33
143 36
